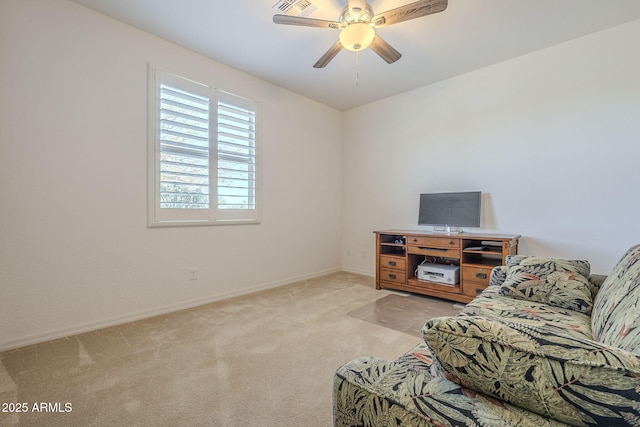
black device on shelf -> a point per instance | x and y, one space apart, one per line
460 209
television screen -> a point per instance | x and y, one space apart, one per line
453 209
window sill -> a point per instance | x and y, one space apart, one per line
162 224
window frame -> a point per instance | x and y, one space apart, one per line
213 215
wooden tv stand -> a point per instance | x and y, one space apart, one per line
399 252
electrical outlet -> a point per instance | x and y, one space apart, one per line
364 253
193 273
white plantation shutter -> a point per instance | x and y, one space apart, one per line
184 149
203 154
236 130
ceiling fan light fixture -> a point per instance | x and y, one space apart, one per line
357 36
349 16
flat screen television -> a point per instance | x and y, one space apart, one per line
450 209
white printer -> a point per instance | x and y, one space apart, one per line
440 273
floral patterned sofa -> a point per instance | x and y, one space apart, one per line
546 344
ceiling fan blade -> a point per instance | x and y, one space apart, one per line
385 50
409 11
305 22
329 55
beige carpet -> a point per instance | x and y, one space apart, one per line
265 359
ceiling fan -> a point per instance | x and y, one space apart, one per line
357 24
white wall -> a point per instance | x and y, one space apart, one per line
75 251
552 139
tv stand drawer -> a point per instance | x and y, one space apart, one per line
473 289
393 262
395 276
480 275
433 242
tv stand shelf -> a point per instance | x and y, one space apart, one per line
399 252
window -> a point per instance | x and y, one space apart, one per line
202 154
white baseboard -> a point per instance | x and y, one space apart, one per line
118 320
360 272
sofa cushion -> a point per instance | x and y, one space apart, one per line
558 282
559 287
549 265
567 378
615 319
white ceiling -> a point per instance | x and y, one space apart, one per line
468 35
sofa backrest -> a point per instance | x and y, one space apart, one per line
615 319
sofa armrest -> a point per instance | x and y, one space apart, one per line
372 392
498 275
